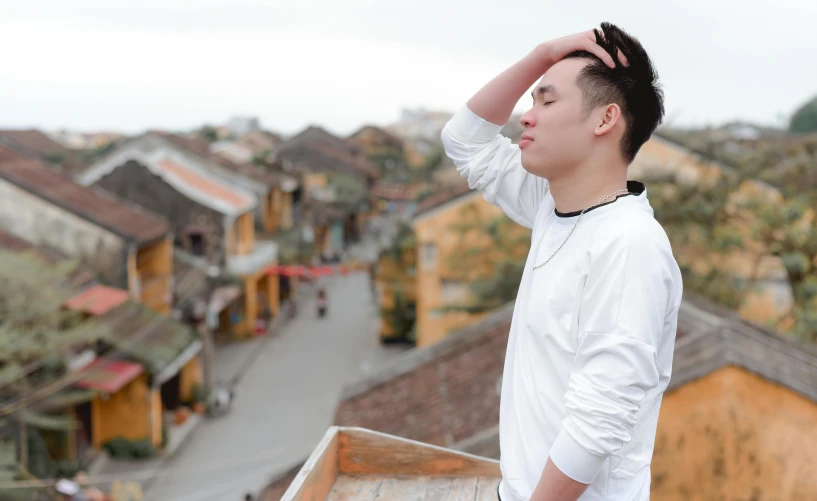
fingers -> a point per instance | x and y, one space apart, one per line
598 51
596 37
622 58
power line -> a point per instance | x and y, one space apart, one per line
208 467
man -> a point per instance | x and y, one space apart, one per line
590 350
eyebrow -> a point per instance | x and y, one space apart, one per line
542 90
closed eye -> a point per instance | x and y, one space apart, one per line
548 102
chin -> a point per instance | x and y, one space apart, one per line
534 168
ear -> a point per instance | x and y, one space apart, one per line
607 119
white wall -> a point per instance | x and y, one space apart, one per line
41 223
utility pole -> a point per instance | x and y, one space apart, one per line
206 333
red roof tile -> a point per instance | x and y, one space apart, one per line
97 300
99 207
201 148
34 141
204 185
109 376
442 197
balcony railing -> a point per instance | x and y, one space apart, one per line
264 253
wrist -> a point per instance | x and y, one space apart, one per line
542 55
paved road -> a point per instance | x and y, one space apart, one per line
285 400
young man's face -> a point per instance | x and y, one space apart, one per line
561 136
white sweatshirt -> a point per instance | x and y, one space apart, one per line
592 337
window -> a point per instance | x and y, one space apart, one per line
453 292
196 240
428 256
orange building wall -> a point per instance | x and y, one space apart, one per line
126 414
154 269
734 436
286 211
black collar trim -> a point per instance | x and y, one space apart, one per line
636 188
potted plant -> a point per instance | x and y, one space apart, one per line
198 398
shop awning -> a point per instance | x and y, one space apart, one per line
109 375
97 300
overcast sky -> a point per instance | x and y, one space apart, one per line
135 64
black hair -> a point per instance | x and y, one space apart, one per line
634 87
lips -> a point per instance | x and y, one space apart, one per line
525 140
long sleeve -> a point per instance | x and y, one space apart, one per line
629 290
492 163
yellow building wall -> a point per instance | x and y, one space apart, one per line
189 377
272 208
435 228
272 287
734 436
126 413
156 416
154 270
261 291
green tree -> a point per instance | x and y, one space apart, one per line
774 218
36 334
490 257
350 192
208 133
805 118
392 165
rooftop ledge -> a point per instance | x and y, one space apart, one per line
356 463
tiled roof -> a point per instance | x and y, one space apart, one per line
447 393
260 140
185 173
442 197
318 135
107 375
383 137
442 394
97 300
210 188
201 149
35 145
8 155
152 339
98 207
322 157
34 141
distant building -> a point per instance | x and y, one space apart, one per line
239 126
232 151
420 123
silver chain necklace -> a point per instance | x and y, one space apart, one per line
619 192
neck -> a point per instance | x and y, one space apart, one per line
586 185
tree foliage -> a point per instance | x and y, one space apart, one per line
33 322
490 257
764 205
805 118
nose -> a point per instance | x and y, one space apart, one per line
527 120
